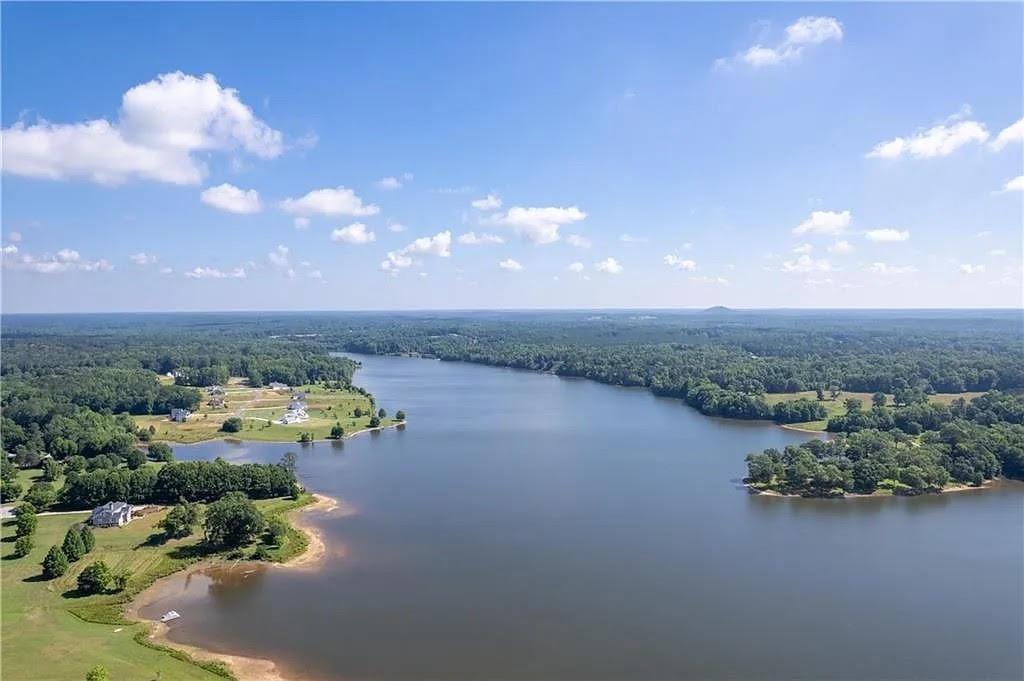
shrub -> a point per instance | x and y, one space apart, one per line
95 578
55 564
232 425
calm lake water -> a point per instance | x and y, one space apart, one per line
527 527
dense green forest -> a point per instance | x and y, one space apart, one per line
69 381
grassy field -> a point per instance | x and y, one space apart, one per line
50 634
259 409
837 407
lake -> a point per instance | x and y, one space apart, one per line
528 527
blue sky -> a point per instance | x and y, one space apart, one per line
327 156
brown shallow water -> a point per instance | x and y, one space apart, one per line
528 527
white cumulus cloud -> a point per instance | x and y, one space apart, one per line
806 263
163 129
389 183
841 246
438 245
824 222
609 266
474 239
214 273
578 241
675 262
539 224
1012 134
356 233
801 34
330 201
575 267
231 199
885 268
938 140
489 202
142 258
968 268
510 265
887 235
1014 185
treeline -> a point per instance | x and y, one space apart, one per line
189 481
981 440
918 415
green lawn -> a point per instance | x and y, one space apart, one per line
837 406
45 632
259 408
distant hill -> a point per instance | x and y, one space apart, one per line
719 309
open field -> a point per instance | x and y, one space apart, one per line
260 408
48 633
837 406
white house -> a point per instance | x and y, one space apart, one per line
294 416
180 415
275 385
112 514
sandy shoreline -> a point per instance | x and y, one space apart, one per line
244 668
947 490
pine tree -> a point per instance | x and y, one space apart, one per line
88 539
73 547
56 563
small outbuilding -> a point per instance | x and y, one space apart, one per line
112 514
180 415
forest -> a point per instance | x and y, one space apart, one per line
70 382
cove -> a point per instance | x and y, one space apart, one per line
528 527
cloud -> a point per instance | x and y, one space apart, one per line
301 223
510 265
884 268
395 226
841 246
824 222
806 263
539 224
355 233
630 239
337 201
214 273
675 262
66 260
14 236
474 239
936 141
166 270
142 259
489 202
1012 134
389 183
164 129
803 33
231 199
886 235
803 248
578 241
608 266
968 268
438 245
279 259
576 267
1014 185
699 279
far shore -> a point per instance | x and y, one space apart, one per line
242 667
229 437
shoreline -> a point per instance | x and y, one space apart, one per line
952 489
233 439
241 667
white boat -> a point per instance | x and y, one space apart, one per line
170 615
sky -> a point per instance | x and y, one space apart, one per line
165 157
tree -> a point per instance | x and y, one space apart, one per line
277 529
400 415
820 392
161 451
305 437
119 580
232 520
41 494
289 462
878 400
9 491
95 578
87 537
231 425
56 563
180 521
97 674
374 422
337 432
23 545
357 412
135 459
51 470
73 547
26 522
381 413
